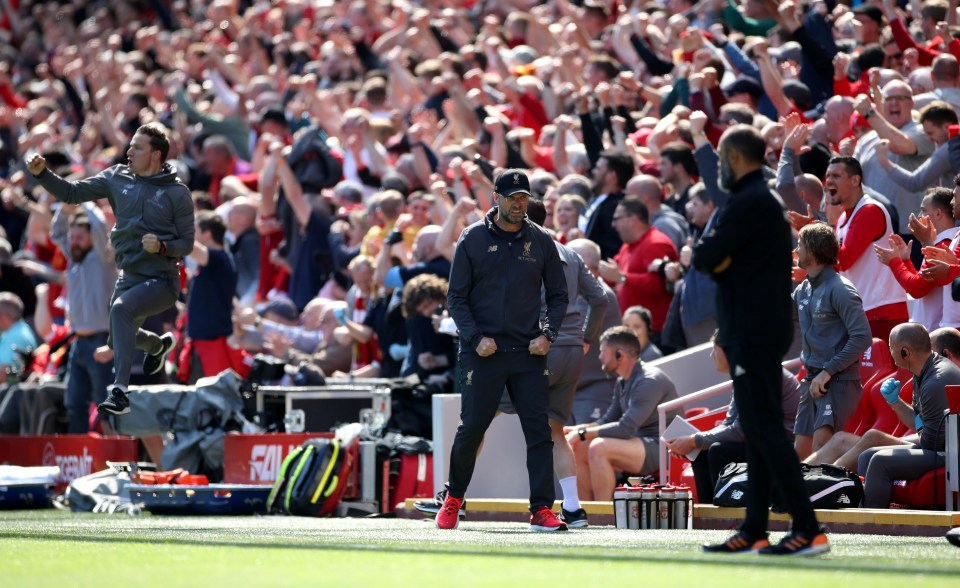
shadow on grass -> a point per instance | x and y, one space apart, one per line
812 564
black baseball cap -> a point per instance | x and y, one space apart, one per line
511 181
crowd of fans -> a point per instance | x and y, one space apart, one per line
336 150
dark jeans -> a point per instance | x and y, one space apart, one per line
133 301
87 381
709 464
771 459
482 380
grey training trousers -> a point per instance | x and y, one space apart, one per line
133 301
880 466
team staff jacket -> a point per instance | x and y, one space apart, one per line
495 285
158 204
834 326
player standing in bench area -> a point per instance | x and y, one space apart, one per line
748 253
154 229
498 268
835 333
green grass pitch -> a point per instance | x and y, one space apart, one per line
62 549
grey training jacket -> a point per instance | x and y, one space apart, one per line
158 204
833 324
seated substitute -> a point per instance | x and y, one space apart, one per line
625 438
725 443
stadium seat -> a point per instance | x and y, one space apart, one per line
876 365
919 493
876 413
876 362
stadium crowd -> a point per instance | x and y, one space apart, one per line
335 151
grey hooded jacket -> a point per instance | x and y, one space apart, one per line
158 204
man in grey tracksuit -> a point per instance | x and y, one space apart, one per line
911 350
565 363
835 334
154 229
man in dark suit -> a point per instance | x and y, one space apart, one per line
610 175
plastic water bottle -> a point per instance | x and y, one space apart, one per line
634 494
681 507
649 511
666 503
620 494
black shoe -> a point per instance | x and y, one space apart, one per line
739 543
797 543
574 520
432 507
153 363
116 403
953 536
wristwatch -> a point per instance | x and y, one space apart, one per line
623 279
582 432
550 334
870 112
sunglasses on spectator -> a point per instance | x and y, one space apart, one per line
894 97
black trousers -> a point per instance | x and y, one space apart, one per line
709 464
482 380
771 459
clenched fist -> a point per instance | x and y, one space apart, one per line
36 163
151 244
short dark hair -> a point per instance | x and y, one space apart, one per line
636 207
622 337
202 200
941 198
645 315
935 11
946 339
700 192
745 140
821 241
850 164
939 113
872 55
421 288
679 153
207 220
620 164
536 211
159 140
604 63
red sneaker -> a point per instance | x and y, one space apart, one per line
544 519
448 517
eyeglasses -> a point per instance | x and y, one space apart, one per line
621 217
896 97
895 56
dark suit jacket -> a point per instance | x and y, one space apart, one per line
600 227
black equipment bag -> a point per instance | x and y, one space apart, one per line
828 486
731 488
